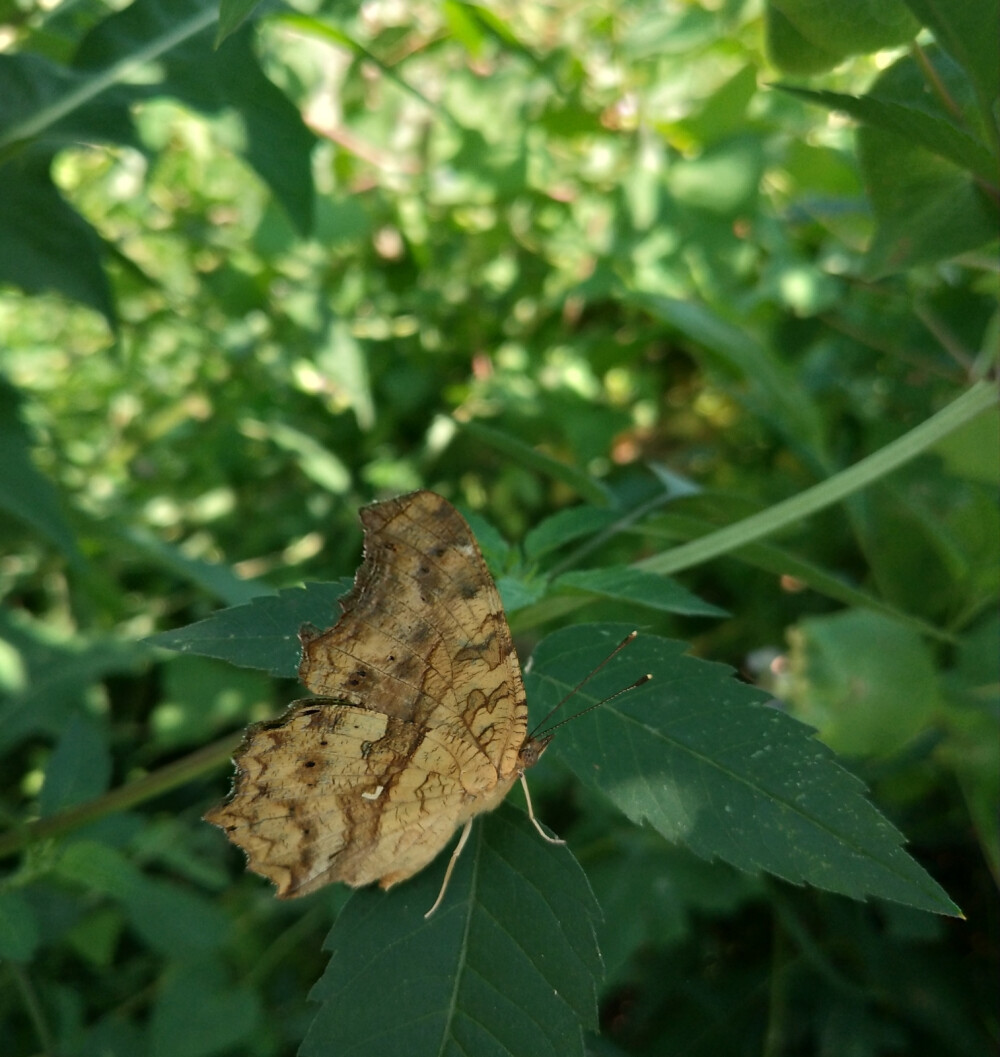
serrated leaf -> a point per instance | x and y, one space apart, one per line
80 767
701 757
564 527
507 967
626 584
264 632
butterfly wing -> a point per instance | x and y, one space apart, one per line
423 636
332 792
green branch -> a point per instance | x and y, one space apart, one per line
975 401
160 781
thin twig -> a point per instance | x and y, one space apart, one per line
160 781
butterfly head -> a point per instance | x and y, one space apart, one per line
531 750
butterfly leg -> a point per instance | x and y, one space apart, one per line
451 866
531 814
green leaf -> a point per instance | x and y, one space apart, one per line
866 683
18 928
724 179
80 767
790 50
958 26
198 1012
176 920
343 361
48 106
52 675
326 30
928 208
507 966
640 586
564 527
179 34
45 245
972 719
263 633
847 27
699 756
213 578
495 549
525 455
201 698
315 461
99 868
24 492
517 593
232 15
933 133
168 917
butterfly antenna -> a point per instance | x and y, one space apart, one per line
597 704
583 682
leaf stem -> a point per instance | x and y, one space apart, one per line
971 403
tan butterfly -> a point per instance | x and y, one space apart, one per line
421 722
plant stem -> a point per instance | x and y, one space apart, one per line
168 777
971 403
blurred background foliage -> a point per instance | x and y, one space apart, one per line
256 273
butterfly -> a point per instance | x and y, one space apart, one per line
419 723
